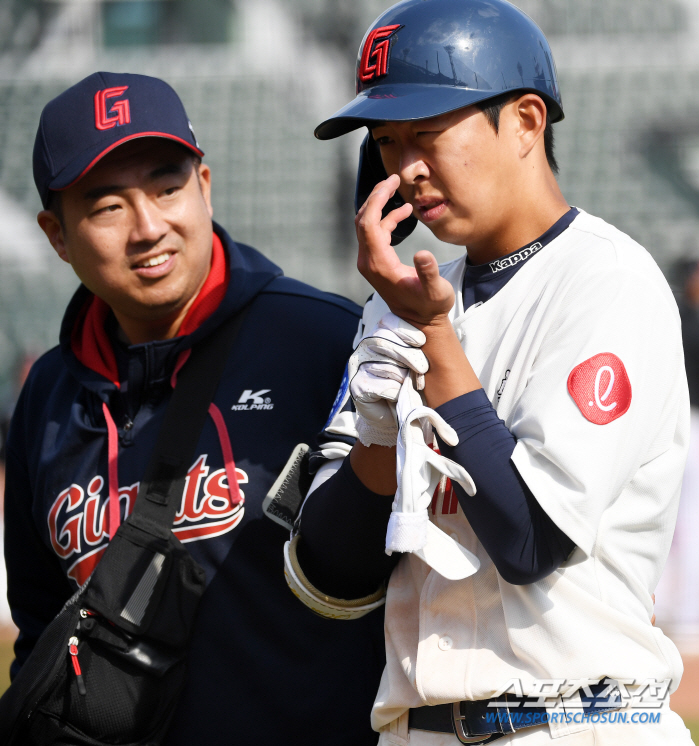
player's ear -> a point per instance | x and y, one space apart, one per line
530 119
50 223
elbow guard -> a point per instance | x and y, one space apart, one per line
317 601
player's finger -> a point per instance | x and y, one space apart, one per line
428 272
372 209
375 256
360 211
391 183
390 222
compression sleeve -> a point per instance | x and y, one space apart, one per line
524 544
343 537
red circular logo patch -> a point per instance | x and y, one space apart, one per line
601 388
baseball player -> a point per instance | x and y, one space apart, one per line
549 361
127 203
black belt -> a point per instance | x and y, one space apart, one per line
484 721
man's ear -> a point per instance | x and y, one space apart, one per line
51 225
204 175
530 113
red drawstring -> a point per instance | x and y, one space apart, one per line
227 451
223 437
112 455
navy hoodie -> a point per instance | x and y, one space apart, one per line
262 667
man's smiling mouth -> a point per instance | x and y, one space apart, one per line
154 261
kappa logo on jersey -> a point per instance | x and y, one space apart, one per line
250 399
519 256
376 50
503 383
120 111
601 388
78 526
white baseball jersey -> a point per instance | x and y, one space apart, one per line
581 355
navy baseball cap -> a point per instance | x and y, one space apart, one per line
98 114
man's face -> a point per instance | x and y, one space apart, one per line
137 230
455 171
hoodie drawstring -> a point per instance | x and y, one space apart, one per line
112 473
223 438
113 454
227 451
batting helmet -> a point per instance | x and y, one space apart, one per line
422 58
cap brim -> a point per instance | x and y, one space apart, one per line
90 158
406 102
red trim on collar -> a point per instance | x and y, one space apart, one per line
90 342
212 292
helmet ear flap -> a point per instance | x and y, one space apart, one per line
370 173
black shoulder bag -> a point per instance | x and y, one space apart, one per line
110 666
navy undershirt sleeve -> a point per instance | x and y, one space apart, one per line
343 537
524 544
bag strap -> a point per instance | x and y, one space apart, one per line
161 488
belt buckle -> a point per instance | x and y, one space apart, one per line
457 721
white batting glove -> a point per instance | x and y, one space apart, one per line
399 341
374 390
419 469
377 369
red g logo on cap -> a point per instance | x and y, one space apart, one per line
120 109
378 52
601 388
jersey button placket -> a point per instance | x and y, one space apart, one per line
445 643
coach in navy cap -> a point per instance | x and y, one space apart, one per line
103 111
127 202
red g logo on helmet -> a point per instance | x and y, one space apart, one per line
120 109
601 388
376 49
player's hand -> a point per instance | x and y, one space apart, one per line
417 294
377 369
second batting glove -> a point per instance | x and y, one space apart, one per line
377 370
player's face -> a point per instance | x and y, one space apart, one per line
455 171
137 230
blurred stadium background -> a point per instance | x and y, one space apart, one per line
256 76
